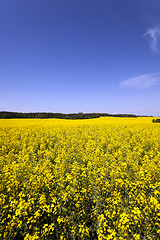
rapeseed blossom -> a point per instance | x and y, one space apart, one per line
80 179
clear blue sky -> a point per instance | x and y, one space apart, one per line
80 56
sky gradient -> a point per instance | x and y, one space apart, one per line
80 56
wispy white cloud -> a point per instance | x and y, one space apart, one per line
154 36
142 81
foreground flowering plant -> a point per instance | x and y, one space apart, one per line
80 179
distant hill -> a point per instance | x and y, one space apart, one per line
80 115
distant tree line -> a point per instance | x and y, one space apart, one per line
80 115
156 120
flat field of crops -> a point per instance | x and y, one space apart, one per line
80 179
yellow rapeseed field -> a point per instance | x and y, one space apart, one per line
80 179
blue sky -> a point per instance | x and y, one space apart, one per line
80 56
